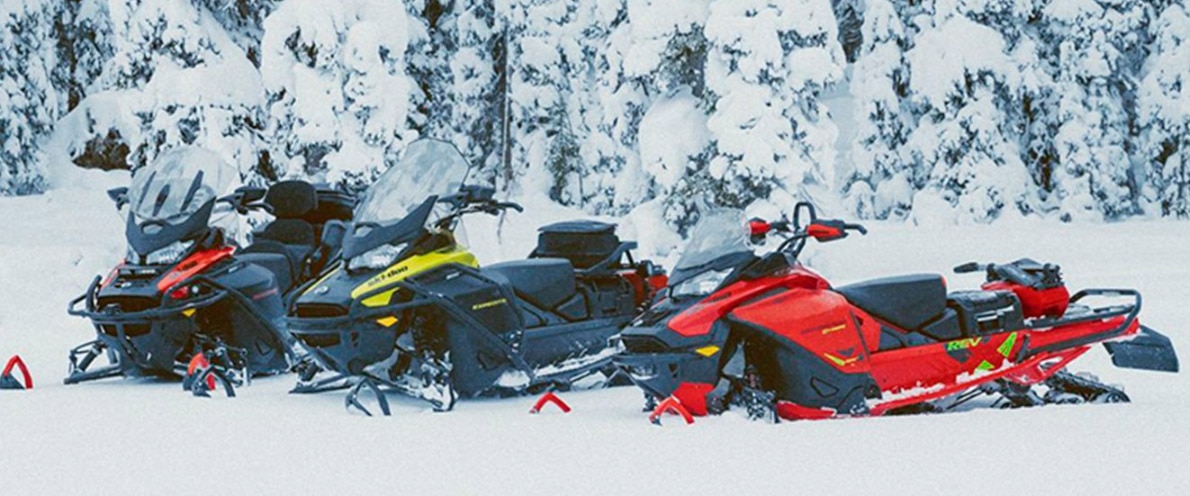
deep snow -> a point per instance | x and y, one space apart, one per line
144 437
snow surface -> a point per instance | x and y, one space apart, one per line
147 437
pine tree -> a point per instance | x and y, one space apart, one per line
1164 112
243 20
1094 47
476 69
340 106
879 185
651 98
542 156
28 103
167 85
83 30
961 81
768 65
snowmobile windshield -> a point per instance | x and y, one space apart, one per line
179 184
718 243
428 168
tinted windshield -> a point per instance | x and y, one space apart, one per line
717 234
178 184
428 167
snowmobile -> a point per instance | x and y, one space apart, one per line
407 307
184 301
768 334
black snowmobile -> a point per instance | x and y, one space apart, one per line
184 302
407 307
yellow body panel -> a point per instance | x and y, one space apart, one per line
408 267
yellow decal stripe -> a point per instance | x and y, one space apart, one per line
408 267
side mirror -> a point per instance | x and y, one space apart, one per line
478 194
805 209
119 196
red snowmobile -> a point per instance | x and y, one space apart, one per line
769 334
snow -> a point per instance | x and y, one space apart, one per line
672 131
955 52
141 437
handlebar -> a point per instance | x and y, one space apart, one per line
856 227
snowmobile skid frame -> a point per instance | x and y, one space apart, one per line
122 353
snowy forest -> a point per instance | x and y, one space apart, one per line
959 110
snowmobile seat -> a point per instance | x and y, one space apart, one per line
545 282
908 302
289 202
291 199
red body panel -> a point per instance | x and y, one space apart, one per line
819 320
698 319
194 264
1035 303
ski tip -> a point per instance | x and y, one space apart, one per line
670 405
8 381
547 398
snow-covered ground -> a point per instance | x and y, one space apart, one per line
137 437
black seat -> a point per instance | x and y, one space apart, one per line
545 282
908 302
289 201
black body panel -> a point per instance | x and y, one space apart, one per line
797 375
987 312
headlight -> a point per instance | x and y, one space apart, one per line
165 256
376 258
702 284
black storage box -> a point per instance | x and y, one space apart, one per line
584 242
987 312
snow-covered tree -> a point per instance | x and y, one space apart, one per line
961 79
880 185
83 29
243 20
1096 51
175 78
650 96
544 154
1164 112
29 104
339 101
768 64
476 69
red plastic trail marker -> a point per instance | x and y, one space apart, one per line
200 363
550 397
7 381
670 404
